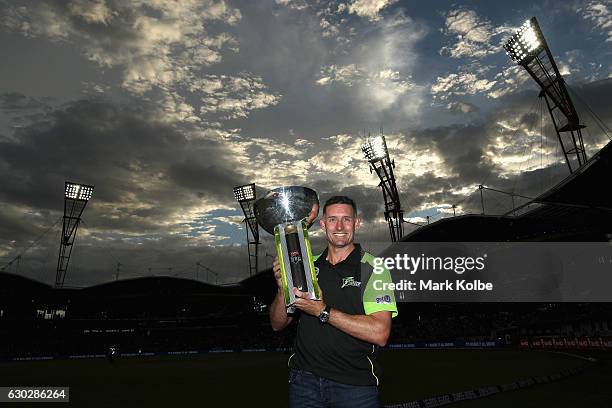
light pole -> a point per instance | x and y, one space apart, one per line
377 154
245 195
76 197
528 48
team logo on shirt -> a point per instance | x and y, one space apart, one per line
350 281
316 271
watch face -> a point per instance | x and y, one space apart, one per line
324 317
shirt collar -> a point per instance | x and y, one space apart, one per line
354 258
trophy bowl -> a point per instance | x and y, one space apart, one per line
283 205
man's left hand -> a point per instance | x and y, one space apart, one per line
307 305
312 215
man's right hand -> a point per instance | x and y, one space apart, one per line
277 273
278 312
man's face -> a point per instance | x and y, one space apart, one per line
339 223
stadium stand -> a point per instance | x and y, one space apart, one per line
163 314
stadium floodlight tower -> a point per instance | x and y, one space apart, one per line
245 195
376 152
76 197
529 49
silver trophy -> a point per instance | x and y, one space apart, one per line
282 213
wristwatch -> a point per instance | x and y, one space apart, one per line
324 316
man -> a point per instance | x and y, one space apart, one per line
334 363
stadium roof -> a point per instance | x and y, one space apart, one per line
158 285
18 288
11 283
587 186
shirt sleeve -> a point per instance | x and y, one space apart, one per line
377 295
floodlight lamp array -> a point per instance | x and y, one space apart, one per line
244 193
375 148
527 42
78 191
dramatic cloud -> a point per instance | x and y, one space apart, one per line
474 36
233 97
141 37
460 84
382 76
475 39
474 79
509 80
142 166
600 15
159 46
17 102
368 8
293 4
459 107
384 87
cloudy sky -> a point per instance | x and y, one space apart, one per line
166 105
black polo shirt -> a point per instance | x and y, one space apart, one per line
329 352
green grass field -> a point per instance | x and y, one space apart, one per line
259 379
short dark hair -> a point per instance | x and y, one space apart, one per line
340 200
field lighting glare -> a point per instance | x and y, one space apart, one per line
525 43
244 193
375 148
78 191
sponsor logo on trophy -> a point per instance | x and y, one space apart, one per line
282 213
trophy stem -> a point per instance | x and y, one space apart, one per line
295 258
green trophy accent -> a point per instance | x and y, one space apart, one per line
313 271
281 260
